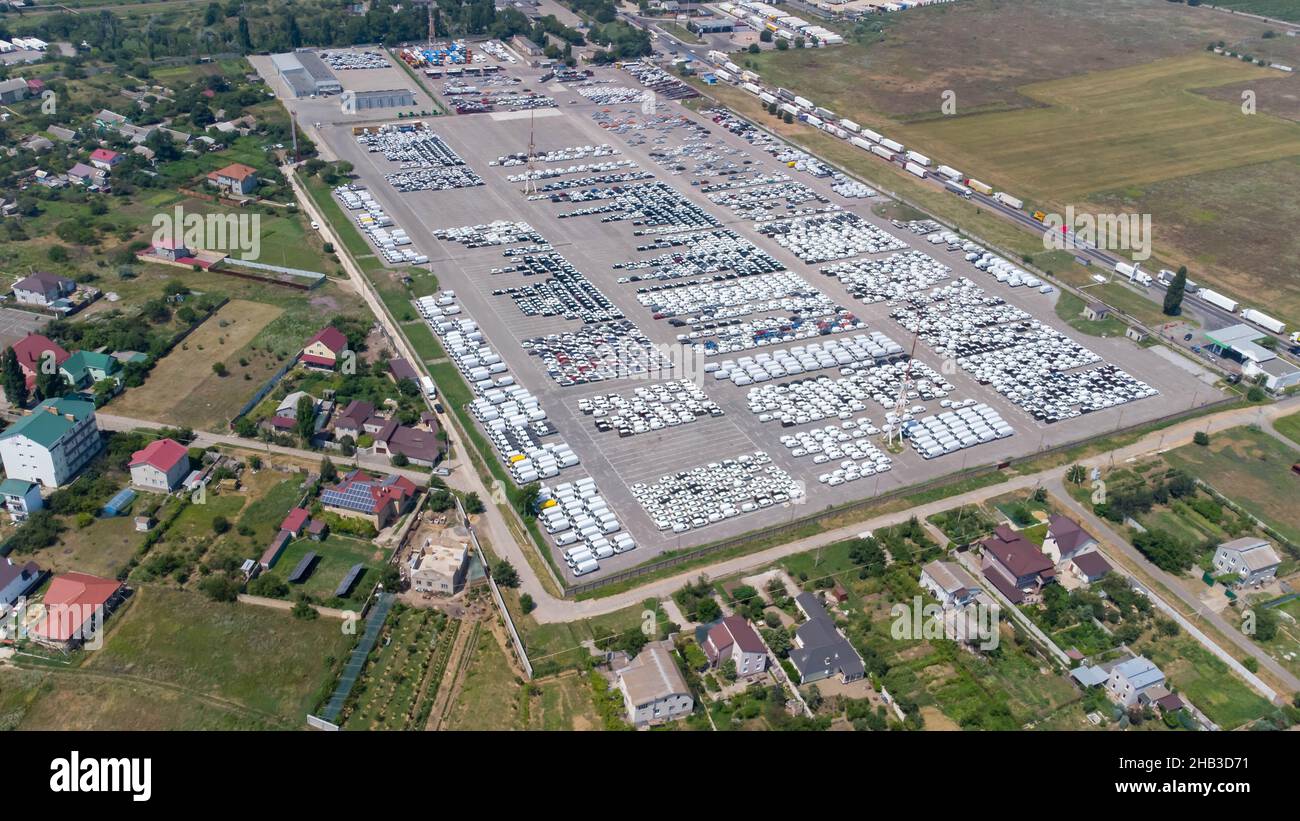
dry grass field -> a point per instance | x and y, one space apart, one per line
183 390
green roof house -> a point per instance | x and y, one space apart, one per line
84 368
52 444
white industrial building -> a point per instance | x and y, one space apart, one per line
305 74
357 102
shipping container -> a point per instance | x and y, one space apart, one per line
1006 199
1263 320
913 168
919 158
949 172
1218 299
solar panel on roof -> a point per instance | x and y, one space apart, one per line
303 570
350 580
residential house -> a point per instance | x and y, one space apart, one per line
83 174
16 581
62 134
84 369
21 498
820 649
1089 567
358 418
949 583
324 349
732 639
286 413
654 690
235 178
53 443
400 369
37 353
42 288
13 91
161 465
421 446
107 120
1065 539
1015 565
37 144
379 501
1134 681
105 160
439 569
76 607
1253 560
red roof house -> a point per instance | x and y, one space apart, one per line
105 159
733 639
75 603
161 465
295 521
323 349
236 178
31 350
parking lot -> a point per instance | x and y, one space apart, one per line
730 290
15 324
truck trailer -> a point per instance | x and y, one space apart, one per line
892 145
949 172
982 187
919 158
1006 199
881 151
1263 320
918 170
1217 299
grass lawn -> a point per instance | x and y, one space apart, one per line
1253 469
195 396
102 549
335 557
1070 308
257 657
559 644
489 695
1289 426
563 704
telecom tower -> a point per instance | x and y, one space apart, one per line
900 403
530 183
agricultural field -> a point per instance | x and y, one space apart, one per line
213 664
400 681
1043 92
1253 469
197 397
489 697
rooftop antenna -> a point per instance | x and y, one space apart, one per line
900 403
530 182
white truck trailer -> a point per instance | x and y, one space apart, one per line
1263 320
1217 299
1008 200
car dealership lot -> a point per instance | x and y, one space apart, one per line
592 245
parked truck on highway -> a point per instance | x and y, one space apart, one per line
804 103
919 158
881 151
949 172
862 143
982 187
1132 273
892 145
849 125
1008 200
1217 299
918 170
957 188
872 135
1263 320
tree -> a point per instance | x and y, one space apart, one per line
1266 624
505 574
528 498
219 368
753 48
15 381
220 587
328 473
765 36
51 385
400 460
305 418
788 118
473 504
220 525
1201 438
782 44
302 609
527 604
1174 293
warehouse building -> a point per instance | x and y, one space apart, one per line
305 74
356 102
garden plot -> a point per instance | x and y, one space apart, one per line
514 419
894 277
719 490
500 232
578 518
580 168
962 426
701 253
597 352
827 238
650 408
847 443
824 397
867 349
565 292
568 154
654 208
374 223
707 301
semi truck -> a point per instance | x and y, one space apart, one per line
1132 273
881 151
949 172
804 103
824 113
918 170
862 143
957 188
892 145
1263 320
982 187
1217 299
919 158
849 125
872 135
1008 200
785 94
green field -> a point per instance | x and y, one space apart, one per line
335 557
489 695
1253 469
1289 426
1280 9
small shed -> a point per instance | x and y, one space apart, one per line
120 503
1096 311
1135 334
